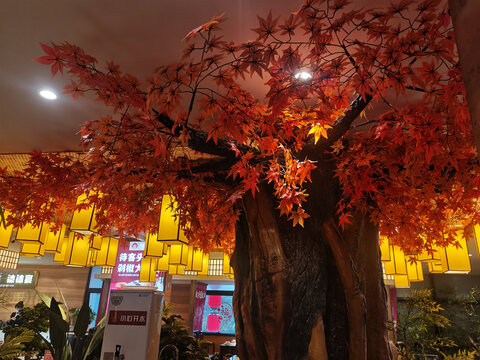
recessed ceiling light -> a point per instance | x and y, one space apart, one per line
47 94
303 75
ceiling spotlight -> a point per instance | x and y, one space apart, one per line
303 75
47 94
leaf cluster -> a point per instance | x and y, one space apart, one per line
420 321
34 319
176 339
14 345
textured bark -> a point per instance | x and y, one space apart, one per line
356 307
304 293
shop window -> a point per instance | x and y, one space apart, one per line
218 313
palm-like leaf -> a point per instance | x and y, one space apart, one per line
13 346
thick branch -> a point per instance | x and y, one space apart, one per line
198 139
340 127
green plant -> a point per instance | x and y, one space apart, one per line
461 355
420 320
74 315
58 328
35 319
176 341
14 346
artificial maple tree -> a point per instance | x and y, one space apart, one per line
374 136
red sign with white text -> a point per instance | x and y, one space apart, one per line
200 295
126 273
121 317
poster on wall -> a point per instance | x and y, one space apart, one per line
218 315
126 273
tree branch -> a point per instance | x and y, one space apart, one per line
340 127
198 139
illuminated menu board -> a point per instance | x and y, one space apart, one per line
19 280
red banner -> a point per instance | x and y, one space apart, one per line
200 296
121 317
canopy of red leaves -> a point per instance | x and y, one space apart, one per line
412 165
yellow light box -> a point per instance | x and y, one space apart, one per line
148 271
33 233
107 255
397 265
169 230
54 242
195 260
178 255
153 247
162 262
77 251
83 221
5 233
32 249
384 248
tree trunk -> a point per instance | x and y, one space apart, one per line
308 293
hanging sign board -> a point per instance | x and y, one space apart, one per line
200 296
126 273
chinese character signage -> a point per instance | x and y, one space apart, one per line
127 271
20 280
200 295
135 318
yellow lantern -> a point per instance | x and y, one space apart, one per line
195 260
96 242
458 261
60 256
148 270
32 233
178 255
402 281
476 232
397 264
5 232
435 256
227 269
83 221
54 242
176 269
77 252
384 249
153 247
92 257
32 249
162 262
414 271
205 261
107 255
169 230
437 267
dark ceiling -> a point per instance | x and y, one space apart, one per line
138 35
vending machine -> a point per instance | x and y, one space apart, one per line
133 322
